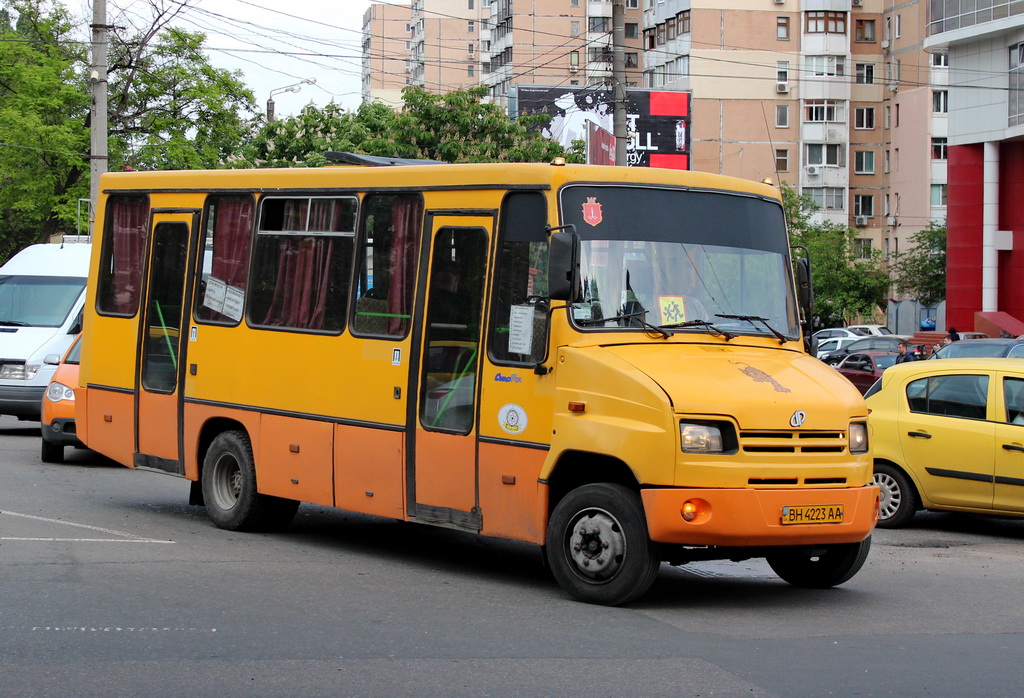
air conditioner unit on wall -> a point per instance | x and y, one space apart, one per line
885 44
860 221
782 88
780 2
812 170
857 3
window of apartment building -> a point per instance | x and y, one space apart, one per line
648 78
828 198
649 38
896 166
574 28
940 102
864 205
632 59
939 149
888 116
828 66
830 154
632 4
940 60
862 248
670 28
938 195
574 3
632 30
600 54
828 110
864 30
470 69
683 22
865 73
825 22
781 116
896 120
682 66
1015 98
782 28
599 25
782 71
885 204
574 59
471 27
864 118
781 160
470 4
898 26
864 161
661 34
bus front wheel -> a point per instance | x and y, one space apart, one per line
597 545
820 567
229 488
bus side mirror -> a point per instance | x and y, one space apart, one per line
804 290
563 264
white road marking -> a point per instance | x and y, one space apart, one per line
122 536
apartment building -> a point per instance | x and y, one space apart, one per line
984 42
387 43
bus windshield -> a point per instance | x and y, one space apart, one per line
666 257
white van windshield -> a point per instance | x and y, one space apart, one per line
37 301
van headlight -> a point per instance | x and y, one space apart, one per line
58 391
858 437
19 372
706 437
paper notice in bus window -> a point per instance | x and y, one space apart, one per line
582 312
234 301
520 329
214 297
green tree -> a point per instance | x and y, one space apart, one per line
846 285
921 271
167 108
453 127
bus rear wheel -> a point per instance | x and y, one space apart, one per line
597 545
820 567
229 488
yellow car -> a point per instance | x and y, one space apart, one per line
948 435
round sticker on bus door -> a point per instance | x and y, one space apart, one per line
512 418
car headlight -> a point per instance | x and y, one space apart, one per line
858 437
19 372
58 391
700 438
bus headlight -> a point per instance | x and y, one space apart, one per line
700 438
858 437
19 372
58 391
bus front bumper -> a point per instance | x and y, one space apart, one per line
748 517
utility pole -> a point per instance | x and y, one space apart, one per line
98 79
619 79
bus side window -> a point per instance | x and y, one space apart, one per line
124 249
519 316
386 278
224 259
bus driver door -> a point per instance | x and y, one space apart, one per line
158 392
442 466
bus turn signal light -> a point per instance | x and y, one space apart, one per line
689 510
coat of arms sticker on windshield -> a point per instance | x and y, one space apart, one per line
592 211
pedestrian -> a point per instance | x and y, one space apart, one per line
953 336
904 353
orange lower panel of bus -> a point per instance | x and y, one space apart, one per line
734 517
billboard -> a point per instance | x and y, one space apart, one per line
657 122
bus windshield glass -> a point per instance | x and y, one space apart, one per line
37 301
665 257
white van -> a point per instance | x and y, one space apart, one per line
42 292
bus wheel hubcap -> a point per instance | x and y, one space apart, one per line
597 545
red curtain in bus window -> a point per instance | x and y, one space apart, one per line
231 229
128 243
303 281
405 215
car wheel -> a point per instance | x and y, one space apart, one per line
897 497
51 452
597 545
820 567
229 488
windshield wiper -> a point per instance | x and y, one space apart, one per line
701 323
638 316
14 323
754 318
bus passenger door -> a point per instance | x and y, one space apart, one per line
159 405
442 480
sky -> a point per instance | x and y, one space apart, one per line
279 43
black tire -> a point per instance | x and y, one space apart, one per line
51 453
898 500
597 545
229 488
820 567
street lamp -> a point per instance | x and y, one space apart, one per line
280 90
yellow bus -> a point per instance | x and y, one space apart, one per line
607 362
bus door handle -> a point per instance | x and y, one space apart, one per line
919 434
1013 447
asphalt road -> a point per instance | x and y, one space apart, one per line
113 586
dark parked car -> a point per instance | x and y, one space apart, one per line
981 348
874 344
864 369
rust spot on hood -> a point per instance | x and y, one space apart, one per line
759 376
